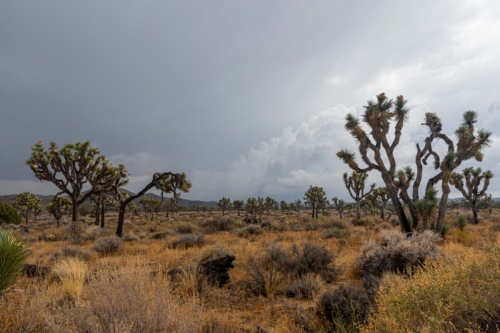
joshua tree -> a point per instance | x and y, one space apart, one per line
382 196
269 204
224 204
26 203
315 197
133 209
85 209
166 182
252 206
151 205
70 168
378 116
238 205
171 204
283 206
298 205
58 207
355 184
339 205
425 208
472 193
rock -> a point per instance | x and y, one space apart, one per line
216 270
31 270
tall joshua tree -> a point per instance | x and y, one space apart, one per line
355 184
378 153
167 182
471 192
315 197
381 198
70 168
58 207
224 204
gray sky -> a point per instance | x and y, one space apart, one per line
246 97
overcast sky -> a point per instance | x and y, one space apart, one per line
247 97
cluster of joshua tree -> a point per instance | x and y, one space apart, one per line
76 165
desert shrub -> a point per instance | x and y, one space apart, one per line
107 245
160 235
13 253
8 214
461 221
336 233
248 230
494 218
184 228
494 227
218 223
76 231
305 287
217 250
215 326
444 230
313 226
444 296
187 241
344 308
396 252
129 238
76 252
359 223
312 258
334 223
385 226
128 300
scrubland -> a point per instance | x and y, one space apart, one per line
292 274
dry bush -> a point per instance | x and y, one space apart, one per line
23 311
494 227
76 231
218 223
336 233
76 252
107 245
344 308
217 250
385 226
127 300
305 287
216 326
396 252
493 218
248 231
160 235
444 296
187 241
336 223
129 237
184 228
312 258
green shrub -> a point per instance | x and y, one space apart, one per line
248 230
190 240
336 233
462 221
444 230
8 214
359 222
107 245
13 253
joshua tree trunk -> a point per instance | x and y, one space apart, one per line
358 209
102 215
58 222
74 217
97 210
382 212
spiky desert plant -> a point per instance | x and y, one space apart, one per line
269 204
283 206
13 253
58 207
373 145
355 184
471 192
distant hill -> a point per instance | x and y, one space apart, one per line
183 202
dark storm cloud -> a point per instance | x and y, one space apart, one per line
193 85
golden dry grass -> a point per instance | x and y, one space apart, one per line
41 305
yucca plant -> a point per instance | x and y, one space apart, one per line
13 253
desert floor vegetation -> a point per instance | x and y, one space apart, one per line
298 275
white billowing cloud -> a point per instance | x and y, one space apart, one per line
284 167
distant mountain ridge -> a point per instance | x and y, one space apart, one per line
10 198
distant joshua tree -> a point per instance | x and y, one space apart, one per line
26 203
238 205
373 144
58 207
224 204
339 205
283 206
471 192
270 204
355 184
315 197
